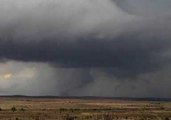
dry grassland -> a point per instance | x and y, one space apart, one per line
82 109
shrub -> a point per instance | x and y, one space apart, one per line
13 109
22 109
166 118
69 117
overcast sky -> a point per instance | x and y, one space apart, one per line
116 48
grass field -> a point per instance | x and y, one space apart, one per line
82 109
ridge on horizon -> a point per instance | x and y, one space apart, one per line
90 97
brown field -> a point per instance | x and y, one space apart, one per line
82 109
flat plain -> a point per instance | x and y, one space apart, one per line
27 108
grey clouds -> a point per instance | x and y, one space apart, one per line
98 44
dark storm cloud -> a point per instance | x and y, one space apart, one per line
90 45
138 50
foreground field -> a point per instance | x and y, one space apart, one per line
82 109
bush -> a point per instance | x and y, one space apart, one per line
166 118
22 109
69 117
13 109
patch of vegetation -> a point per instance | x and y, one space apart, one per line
16 118
62 109
68 117
22 109
13 109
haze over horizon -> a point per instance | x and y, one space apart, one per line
112 48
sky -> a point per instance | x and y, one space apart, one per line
111 48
